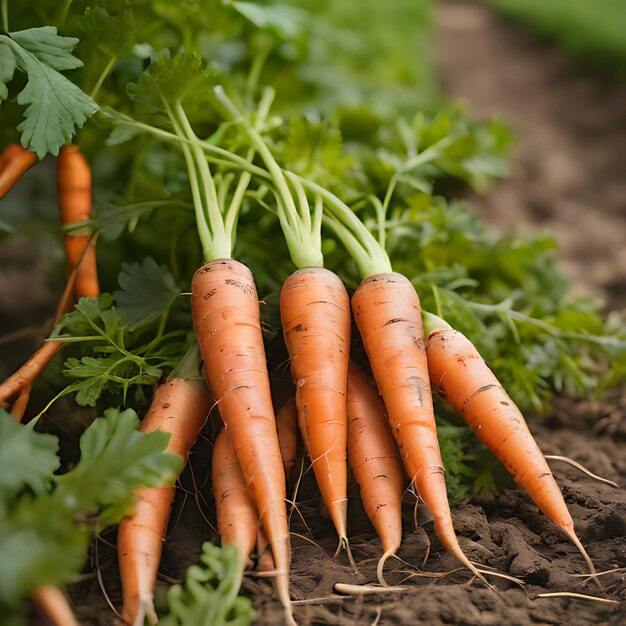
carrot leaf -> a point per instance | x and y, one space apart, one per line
55 106
105 355
26 458
147 290
209 594
45 529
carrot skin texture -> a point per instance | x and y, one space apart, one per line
460 376
74 192
226 318
179 407
287 427
388 314
315 314
237 517
374 459
15 161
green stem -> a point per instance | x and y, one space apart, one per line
203 229
103 75
380 215
304 245
222 247
255 71
5 16
378 259
189 366
605 342
359 255
432 323
64 9
228 158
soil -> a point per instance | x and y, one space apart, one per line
565 176
567 171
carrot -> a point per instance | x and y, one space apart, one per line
74 191
180 406
375 462
19 383
287 427
54 604
460 376
388 314
237 516
315 314
14 162
226 318
266 562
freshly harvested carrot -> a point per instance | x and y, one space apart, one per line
14 162
315 314
226 318
287 427
180 406
74 191
17 384
388 314
54 604
237 516
460 376
375 462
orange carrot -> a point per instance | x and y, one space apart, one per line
14 162
287 427
460 376
266 562
180 407
226 317
74 191
375 462
237 516
54 604
388 314
315 314
17 384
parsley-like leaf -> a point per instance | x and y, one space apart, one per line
208 595
147 290
115 460
26 457
7 69
44 536
48 47
55 106
283 20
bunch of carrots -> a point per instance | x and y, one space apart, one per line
377 418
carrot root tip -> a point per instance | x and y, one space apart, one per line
576 541
381 566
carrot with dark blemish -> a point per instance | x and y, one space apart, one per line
387 313
375 462
15 161
315 314
180 406
226 318
460 376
